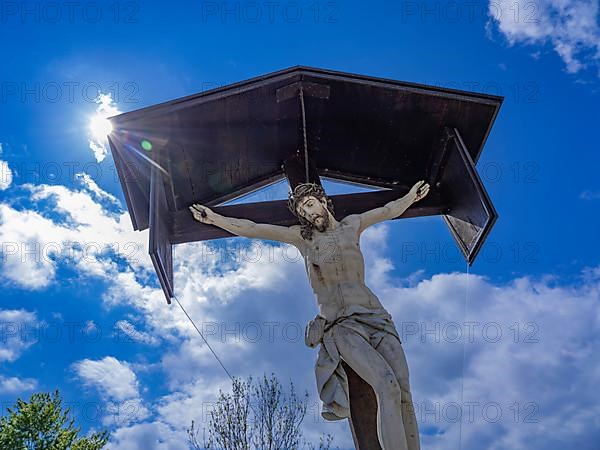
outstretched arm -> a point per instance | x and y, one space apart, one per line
246 227
394 208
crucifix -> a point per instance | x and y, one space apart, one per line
179 162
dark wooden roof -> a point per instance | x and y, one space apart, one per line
222 143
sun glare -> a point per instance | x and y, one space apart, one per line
100 127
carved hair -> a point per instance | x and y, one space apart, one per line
303 190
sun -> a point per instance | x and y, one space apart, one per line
100 127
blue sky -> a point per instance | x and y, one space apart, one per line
80 307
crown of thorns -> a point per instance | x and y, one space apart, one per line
304 189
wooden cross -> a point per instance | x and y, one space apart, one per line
305 124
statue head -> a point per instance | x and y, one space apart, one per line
313 208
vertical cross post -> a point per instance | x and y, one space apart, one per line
363 412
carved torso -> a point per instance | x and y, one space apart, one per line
336 270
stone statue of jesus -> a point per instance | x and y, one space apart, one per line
352 325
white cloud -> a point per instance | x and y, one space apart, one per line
13 385
22 232
133 334
113 378
13 323
35 240
92 187
569 26
6 175
148 436
118 386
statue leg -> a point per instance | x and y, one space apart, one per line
391 349
373 368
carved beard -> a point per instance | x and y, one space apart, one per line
321 228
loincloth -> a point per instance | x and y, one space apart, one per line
332 380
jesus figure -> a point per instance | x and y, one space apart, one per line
352 324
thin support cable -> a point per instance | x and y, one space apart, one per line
203 338
211 349
462 378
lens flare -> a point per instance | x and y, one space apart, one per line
146 145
